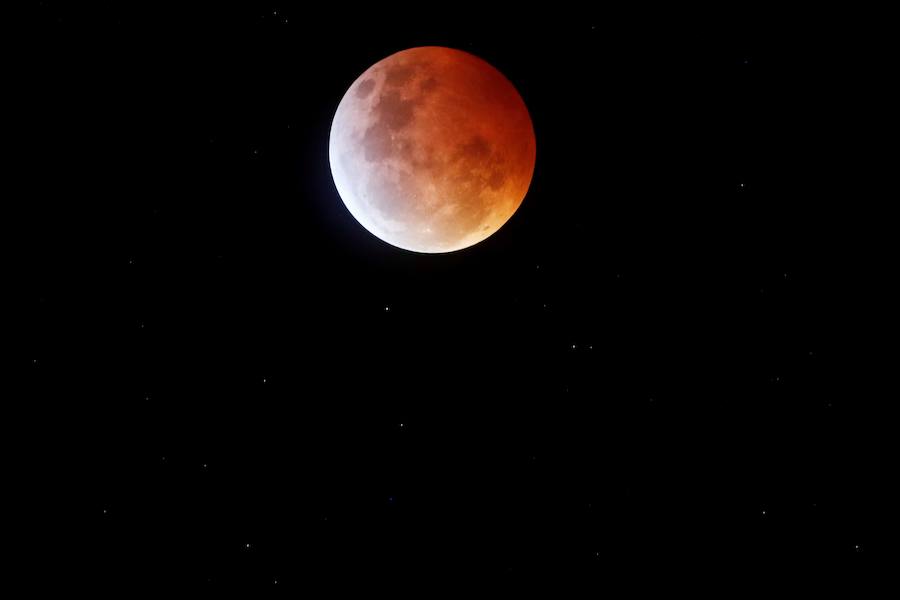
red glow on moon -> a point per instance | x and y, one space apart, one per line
432 149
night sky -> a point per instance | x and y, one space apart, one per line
657 368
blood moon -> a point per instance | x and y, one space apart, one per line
432 149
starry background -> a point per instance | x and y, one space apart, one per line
655 366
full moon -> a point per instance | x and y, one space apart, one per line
432 149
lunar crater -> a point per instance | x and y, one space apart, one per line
365 88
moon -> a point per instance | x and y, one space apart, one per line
432 149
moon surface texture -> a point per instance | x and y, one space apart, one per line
432 149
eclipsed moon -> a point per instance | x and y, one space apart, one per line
432 149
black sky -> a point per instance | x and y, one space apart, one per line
660 364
